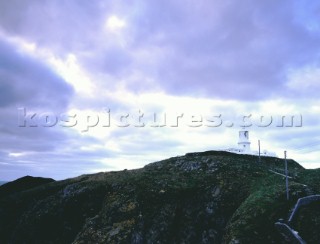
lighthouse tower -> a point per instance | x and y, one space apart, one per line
244 143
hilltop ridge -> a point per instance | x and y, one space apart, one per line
205 197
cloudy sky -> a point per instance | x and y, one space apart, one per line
90 86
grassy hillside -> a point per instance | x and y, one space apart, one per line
209 197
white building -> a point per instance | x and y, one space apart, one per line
244 146
244 143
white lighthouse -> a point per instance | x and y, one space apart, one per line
244 143
244 146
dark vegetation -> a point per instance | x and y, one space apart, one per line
22 184
209 197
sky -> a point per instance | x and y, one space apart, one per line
91 86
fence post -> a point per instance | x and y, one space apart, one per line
286 172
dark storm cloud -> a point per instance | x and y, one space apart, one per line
227 49
25 81
62 25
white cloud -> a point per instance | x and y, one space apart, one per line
115 23
71 71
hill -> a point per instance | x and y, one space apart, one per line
22 184
3 182
208 197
